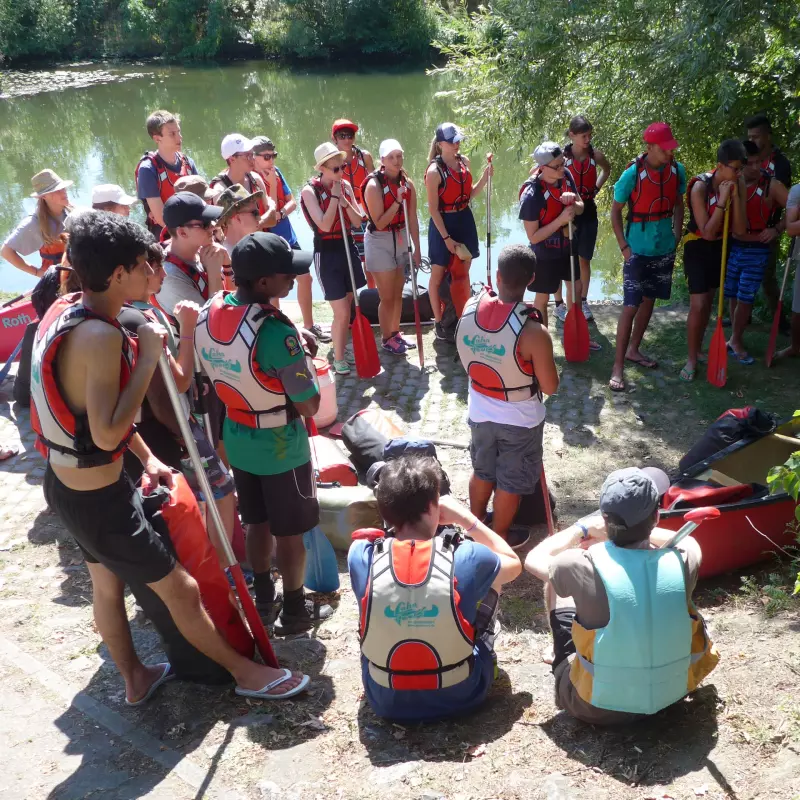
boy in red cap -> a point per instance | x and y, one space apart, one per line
652 187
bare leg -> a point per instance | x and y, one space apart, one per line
227 510
505 509
437 276
291 557
304 300
740 317
385 281
586 275
794 347
540 302
568 287
559 295
260 543
640 323
400 282
699 312
624 327
479 494
341 325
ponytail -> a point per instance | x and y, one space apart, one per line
434 151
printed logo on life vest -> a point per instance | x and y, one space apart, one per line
292 346
412 615
483 345
217 360
14 322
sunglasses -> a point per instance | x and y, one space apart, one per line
345 135
199 225
267 156
334 170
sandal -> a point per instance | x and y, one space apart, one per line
166 675
687 373
595 346
644 362
616 384
743 358
263 694
7 452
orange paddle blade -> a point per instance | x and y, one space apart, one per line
717 372
459 284
368 365
576 335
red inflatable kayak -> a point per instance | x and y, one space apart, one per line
14 318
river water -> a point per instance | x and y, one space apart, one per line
94 133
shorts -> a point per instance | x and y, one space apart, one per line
561 626
333 271
460 225
357 236
585 236
647 276
288 500
386 251
508 456
550 272
745 270
111 529
217 473
701 265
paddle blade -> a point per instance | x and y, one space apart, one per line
773 334
717 372
253 617
368 365
548 509
418 326
459 284
322 570
576 335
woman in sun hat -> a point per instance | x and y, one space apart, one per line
41 229
321 200
448 181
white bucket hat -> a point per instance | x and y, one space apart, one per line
325 152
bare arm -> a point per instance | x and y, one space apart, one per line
540 559
270 217
307 408
351 208
709 227
432 183
793 221
478 187
604 172
537 347
677 219
373 199
182 369
413 222
369 162
538 234
618 225
290 206
156 206
16 260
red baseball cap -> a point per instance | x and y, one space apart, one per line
661 134
343 124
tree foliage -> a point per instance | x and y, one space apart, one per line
702 65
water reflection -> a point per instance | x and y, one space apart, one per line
96 135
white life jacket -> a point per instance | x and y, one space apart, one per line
225 341
63 437
412 632
487 337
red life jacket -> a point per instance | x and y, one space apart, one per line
759 205
280 198
398 222
62 436
552 194
584 173
324 200
768 164
711 199
356 172
190 271
455 191
251 184
655 193
51 253
166 178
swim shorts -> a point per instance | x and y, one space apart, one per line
647 276
701 265
745 270
333 271
507 455
386 251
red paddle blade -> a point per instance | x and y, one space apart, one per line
418 326
717 372
576 335
253 617
368 365
699 515
773 334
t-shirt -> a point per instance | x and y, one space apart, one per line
284 227
475 568
572 574
526 414
179 286
531 205
794 197
271 451
655 237
147 179
783 169
27 238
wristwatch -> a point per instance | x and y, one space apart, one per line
584 529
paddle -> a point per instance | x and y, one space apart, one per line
717 372
548 511
365 350
693 518
576 328
414 289
460 290
776 320
248 606
489 226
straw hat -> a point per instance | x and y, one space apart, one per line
234 198
47 182
325 152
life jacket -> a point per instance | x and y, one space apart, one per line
654 194
398 222
768 164
190 271
51 253
356 172
324 200
552 194
655 648
166 180
225 340
487 338
280 195
584 173
412 631
62 436
252 186
759 205
455 191
711 199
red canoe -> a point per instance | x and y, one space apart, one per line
14 318
729 541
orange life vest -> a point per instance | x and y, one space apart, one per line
166 179
324 200
654 194
584 173
51 253
552 194
759 204
389 198
355 170
711 199
455 190
251 184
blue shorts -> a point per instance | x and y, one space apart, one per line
333 271
745 270
461 226
585 236
647 276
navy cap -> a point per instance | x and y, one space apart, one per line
186 207
260 254
449 132
629 494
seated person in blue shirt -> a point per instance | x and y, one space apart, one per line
428 603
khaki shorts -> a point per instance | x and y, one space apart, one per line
385 251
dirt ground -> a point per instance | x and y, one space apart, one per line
68 734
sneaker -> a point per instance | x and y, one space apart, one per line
323 336
395 346
341 367
410 345
289 624
561 312
587 312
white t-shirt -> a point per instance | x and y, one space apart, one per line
525 414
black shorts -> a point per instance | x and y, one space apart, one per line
702 261
561 625
586 231
111 529
550 272
333 271
288 500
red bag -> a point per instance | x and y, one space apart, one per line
333 465
704 495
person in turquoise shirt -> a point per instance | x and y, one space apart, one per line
652 188
254 356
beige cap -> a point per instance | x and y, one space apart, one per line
47 182
325 152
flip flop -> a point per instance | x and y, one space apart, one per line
595 346
687 375
746 359
644 363
7 452
166 675
262 694
620 384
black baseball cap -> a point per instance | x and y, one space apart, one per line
261 254
185 207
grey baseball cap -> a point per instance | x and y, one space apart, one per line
547 152
630 495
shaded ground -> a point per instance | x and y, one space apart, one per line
69 735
